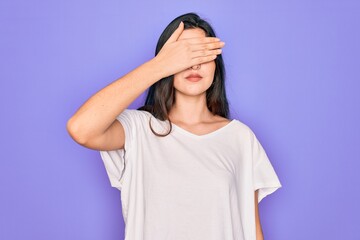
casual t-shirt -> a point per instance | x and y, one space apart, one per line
185 186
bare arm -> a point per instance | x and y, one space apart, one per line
259 233
88 125
94 124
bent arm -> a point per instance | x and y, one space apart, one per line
98 114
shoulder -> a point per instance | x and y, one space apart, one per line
133 117
135 113
238 126
242 128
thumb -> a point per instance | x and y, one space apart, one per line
175 35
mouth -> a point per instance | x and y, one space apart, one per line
194 77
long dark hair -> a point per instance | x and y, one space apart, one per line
161 95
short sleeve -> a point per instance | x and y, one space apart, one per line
116 161
264 176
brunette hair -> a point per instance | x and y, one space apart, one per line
161 95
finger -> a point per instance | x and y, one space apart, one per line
201 40
203 59
210 59
205 53
207 46
175 35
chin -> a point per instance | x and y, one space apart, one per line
191 91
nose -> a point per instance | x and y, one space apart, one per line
196 67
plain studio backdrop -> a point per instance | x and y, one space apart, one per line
292 76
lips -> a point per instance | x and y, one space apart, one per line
194 77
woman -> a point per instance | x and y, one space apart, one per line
184 169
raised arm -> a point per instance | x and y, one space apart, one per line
89 125
94 124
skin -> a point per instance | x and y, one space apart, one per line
190 110
94 124
259 233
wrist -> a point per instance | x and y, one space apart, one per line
157 68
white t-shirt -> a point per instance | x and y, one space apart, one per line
186 186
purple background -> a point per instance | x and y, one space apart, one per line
292 76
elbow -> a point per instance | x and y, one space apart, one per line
73 130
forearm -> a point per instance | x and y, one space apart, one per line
259 235
101 109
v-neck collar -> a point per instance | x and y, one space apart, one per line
193 135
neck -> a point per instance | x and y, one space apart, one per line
190 109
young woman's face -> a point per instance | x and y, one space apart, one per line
205 70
